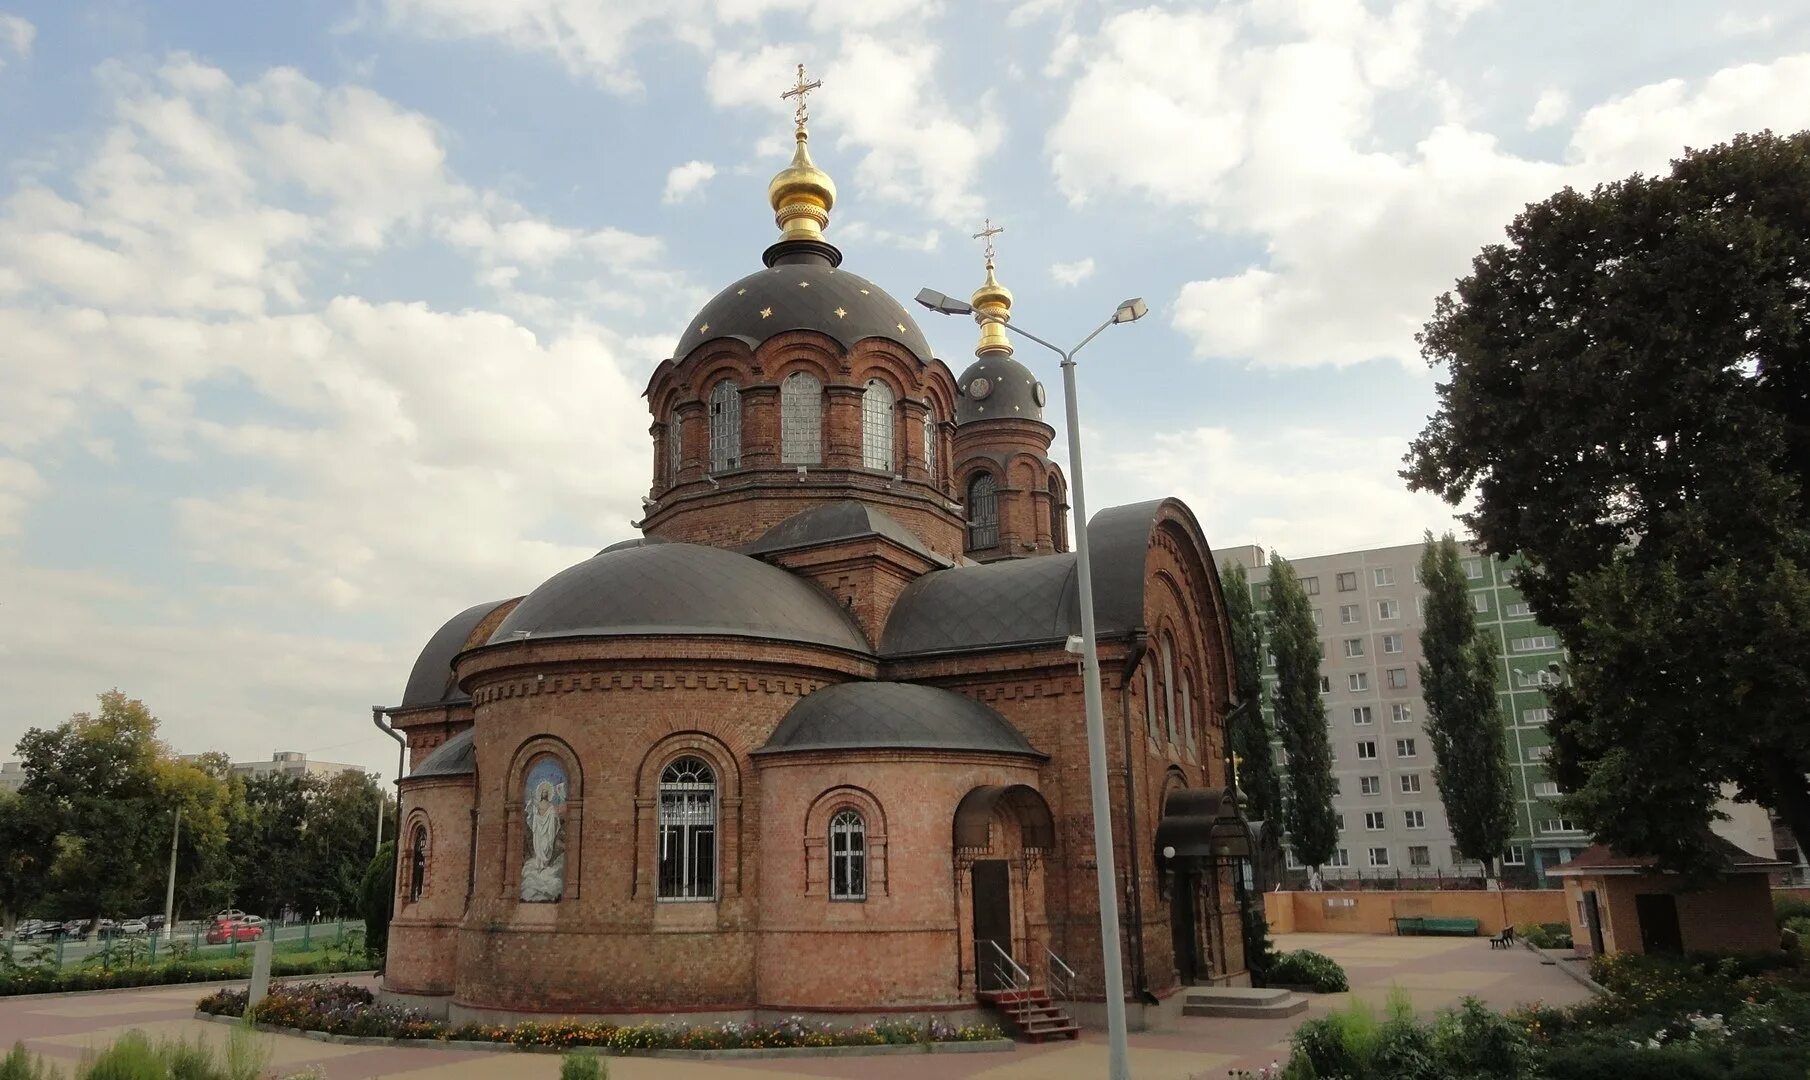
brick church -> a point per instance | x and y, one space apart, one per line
815 742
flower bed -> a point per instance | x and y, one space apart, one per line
343 1009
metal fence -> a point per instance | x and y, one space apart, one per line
188 941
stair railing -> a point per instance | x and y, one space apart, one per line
1061 977
1006 970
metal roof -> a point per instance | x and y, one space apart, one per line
680 589
808 295
844 519
880 715
1027 601
431 679
1011 391
457 756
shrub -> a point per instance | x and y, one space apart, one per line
1474 1041
21 1065
1303 967
583 1067
1546 935
1786 906
1594 1061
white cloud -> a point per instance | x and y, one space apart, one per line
1739 24
1261 118
16 36
1072 273
589 38
1303 491
683 181
1548 109
866 233
384 463
913 145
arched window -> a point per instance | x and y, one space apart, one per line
1169 687
848 856
930 434
876 426
725 426
1150 698
687 831
983 512
1058 535
800 419
417 863
675 448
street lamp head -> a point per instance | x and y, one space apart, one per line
1131 310
943 305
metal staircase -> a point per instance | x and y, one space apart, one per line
1028 1008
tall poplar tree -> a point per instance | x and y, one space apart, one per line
1464 719
1313 831
1251 734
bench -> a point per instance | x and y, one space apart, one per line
1414 925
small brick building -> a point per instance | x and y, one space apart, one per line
1622 903
815 742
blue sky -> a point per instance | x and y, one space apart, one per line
320 321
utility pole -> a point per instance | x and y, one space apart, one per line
169 896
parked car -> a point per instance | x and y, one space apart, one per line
229 913
131 928
225 930
154 922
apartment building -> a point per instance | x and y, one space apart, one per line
1368 608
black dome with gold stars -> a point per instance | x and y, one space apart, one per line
997 387
804 295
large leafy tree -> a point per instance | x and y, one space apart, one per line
1628 403
96 777
1464 720
1307 814
27 841
1251 736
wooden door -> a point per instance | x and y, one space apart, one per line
992 922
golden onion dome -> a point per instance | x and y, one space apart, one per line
992 302
802 194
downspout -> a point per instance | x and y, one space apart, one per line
402 749
1140 647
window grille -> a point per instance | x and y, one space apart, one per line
1058 534
848 856
1168 688
417 863
801 419
687 831
983 512
675 448
725 426
1188 710
930 436
876 426
1150 698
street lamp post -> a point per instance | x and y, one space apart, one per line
1105 871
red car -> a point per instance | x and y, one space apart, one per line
225 930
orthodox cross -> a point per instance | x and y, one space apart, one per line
799 90
987 232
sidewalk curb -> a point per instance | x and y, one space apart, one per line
1570 967
978 1046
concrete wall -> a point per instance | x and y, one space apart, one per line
1370 912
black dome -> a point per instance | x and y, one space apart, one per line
680 589
804 296
893 715
1008 390
457 756
431 679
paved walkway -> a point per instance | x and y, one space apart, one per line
1436 972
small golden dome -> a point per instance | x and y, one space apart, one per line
801 195
992 302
